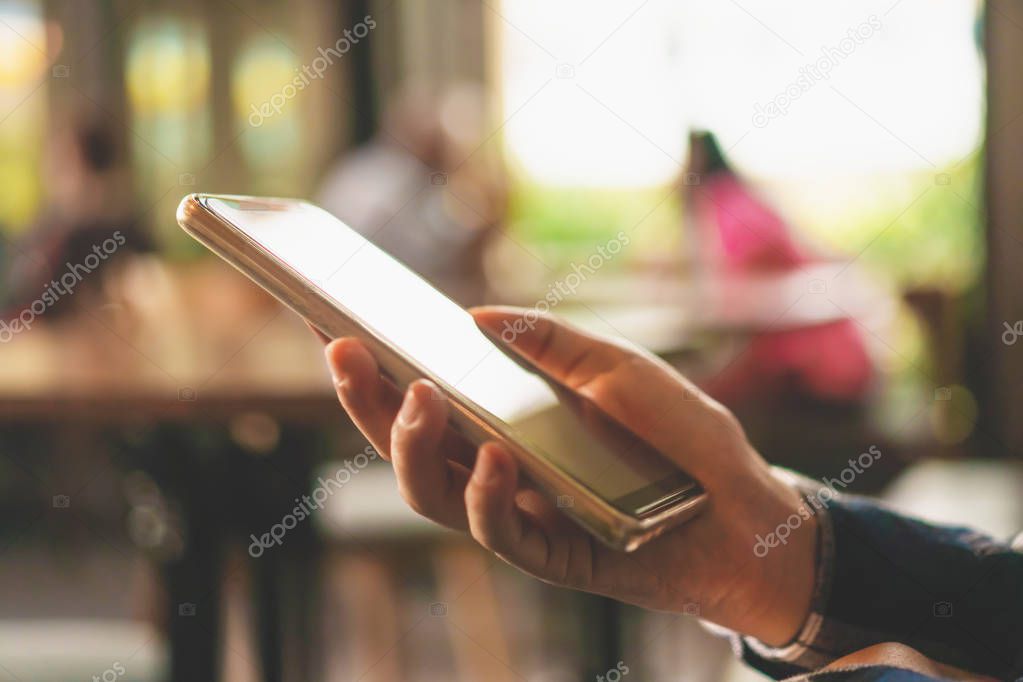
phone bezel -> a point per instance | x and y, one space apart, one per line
615 527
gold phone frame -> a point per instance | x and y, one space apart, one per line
611 525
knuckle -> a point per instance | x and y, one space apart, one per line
418 503
407 439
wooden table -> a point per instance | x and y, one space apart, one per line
195 343
202 342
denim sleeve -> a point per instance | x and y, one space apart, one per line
952 593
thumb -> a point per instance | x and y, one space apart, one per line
640 392
569 355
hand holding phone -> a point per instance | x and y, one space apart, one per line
611 440
705 567
621 489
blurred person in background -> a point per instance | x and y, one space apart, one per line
88 217
422 189
737 234
815 585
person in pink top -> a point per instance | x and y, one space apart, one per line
739 234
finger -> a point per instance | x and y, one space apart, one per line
371 402
495 520
639 391
584 363
569 355
431 484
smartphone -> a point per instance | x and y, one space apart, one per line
598 472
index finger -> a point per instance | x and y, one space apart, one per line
370 401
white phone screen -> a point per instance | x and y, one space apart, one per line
399 306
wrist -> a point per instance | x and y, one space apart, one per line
783 547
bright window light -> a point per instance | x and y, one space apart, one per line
602 94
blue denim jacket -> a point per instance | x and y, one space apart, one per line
951 593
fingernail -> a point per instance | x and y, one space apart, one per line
410 409
340 383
